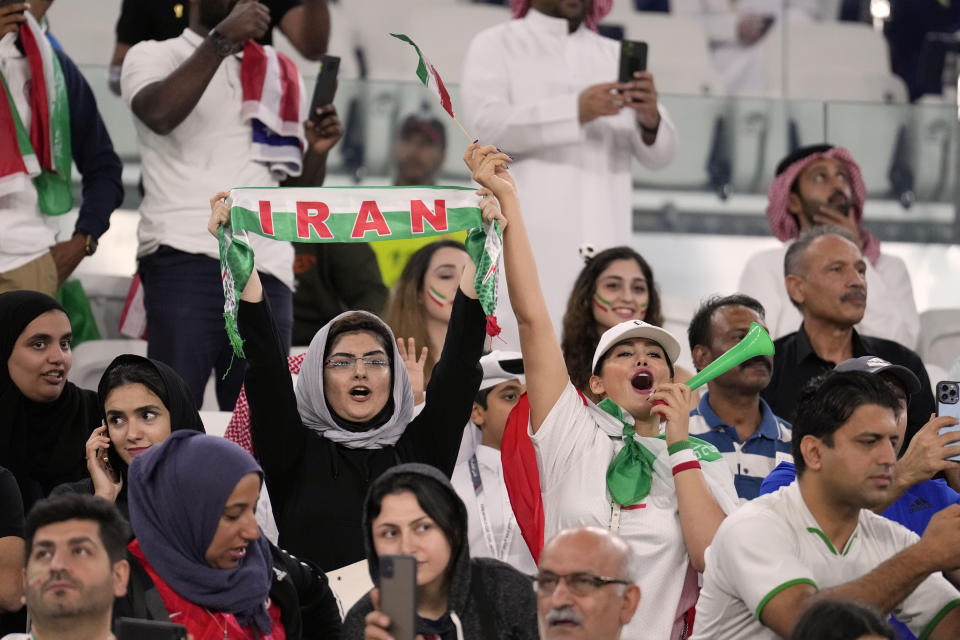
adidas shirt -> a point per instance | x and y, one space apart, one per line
774 542
574 447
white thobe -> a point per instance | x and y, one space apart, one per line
891 310
500 517
521 83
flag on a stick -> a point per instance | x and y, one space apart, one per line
428 76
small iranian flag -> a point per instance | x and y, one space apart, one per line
428 75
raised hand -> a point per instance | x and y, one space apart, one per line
641 96
106 483
830 214
248 19
675 409
11 17
414 365
219 213
490 209
489 168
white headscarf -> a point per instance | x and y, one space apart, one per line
312 403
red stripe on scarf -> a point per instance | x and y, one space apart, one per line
10 163
39 101
253 71
290 100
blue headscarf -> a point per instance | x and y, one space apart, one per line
178 490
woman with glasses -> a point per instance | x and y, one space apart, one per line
350 417
626 463
412 509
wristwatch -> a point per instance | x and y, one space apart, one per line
90 245
223 45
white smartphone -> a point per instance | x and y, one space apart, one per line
948 404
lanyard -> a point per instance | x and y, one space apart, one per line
498 552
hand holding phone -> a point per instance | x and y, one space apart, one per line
948 404
326 86
398 594
633 58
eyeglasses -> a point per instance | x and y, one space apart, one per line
343 363
580 584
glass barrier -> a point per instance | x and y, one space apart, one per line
728 151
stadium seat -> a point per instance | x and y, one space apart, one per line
350 583
90 359
215 422
939 337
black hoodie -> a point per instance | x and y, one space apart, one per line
490 598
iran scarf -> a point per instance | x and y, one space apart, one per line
42 154
353 214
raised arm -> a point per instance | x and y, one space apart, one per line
164 104
543 363
279 437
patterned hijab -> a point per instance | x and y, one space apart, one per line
784 225
596 11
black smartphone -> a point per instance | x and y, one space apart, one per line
633 58
948 404
133 629
398 594
326 85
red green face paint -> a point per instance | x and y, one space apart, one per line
600 302
436 296
643 310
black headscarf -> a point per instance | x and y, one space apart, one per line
42 444
172 391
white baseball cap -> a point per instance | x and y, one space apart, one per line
501 366
637 329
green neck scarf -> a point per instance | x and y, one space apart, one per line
630 474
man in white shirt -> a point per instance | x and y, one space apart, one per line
822 185
76 566
818 538
586 585
478 478
186 94
543 87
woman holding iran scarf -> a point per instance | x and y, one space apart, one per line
350 417
612 464
198 547
44 419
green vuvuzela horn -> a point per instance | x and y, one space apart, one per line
757 342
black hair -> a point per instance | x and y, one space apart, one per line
699 330
481 397
794 260
827 402
436 500
355 322
838 619
800 154
114 530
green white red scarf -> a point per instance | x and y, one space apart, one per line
43 153
353 214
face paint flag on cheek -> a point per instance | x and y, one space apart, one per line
602 303
436 296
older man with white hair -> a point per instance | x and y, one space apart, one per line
586 585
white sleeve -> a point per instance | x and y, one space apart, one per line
750 562
720 480
491 115
564 437
891 309
759 280
664 148
145 63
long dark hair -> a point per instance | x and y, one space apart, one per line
404 312
436 500
580 332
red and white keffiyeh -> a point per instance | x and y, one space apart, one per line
238 430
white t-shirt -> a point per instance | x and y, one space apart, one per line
574 446
210 151
26 234
499 513
774 542
891 310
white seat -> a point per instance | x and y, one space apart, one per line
215 422
940 337
813 70
90 359
350 583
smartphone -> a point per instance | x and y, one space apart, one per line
133 629
326 85
633 57
948 404
398 594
